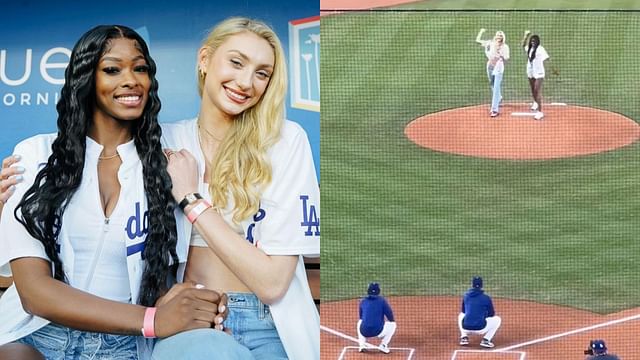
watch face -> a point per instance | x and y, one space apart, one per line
192 197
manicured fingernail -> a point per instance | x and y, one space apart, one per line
18 177
199 286
19 169
219 320
17 157
11 188
221 308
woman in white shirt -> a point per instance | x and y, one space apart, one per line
251 192
90 234
536 55
497 52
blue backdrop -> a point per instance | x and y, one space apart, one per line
36 38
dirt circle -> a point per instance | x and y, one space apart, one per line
565 131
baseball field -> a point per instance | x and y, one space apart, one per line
556 239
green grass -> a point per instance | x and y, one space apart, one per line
421 222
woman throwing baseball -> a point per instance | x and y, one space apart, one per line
497 52
536 55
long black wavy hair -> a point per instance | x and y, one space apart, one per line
41 208
532 48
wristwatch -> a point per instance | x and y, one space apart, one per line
189 199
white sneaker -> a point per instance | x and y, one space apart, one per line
534 106
464 341
486 343
538 116
384 348
361 348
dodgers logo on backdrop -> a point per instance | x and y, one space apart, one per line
137 227
310 217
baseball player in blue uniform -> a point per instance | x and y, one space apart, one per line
373 310
598 351
478 315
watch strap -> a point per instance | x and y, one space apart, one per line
189 199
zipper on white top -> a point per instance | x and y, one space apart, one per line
97 254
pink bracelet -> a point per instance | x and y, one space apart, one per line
149 328
198 210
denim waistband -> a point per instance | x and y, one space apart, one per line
245 301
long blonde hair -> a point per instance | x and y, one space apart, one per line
496 47
241 167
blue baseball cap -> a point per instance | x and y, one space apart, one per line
374 289
598 346
476 282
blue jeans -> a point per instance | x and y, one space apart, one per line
490 75
251 324
495 100
495 81
200 344
57 342
254 336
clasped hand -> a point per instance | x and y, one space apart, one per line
189 306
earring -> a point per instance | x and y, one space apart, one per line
202 72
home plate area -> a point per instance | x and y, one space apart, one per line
397 353
487 355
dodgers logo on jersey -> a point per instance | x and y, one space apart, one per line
137 227
256 218
310 217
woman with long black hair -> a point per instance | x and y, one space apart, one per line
536 55
90 235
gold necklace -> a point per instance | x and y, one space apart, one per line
108 157
208 133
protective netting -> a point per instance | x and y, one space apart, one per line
559 234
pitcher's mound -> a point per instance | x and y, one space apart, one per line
565 131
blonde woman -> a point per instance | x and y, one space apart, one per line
497 53
246 181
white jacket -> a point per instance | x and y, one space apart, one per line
290 226
84 214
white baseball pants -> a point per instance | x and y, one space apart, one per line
489 331
386 334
